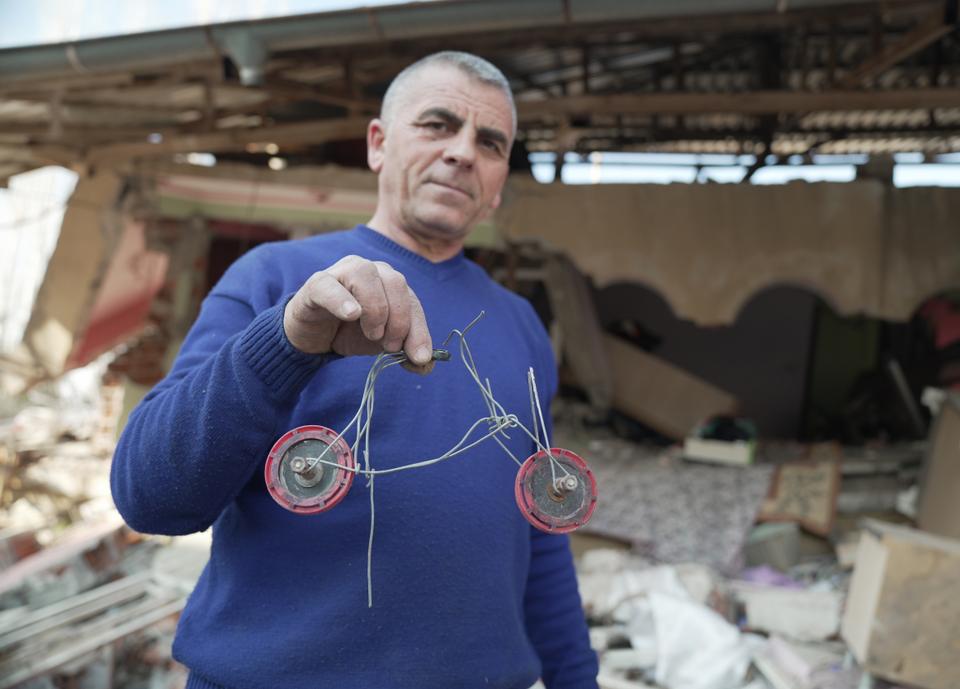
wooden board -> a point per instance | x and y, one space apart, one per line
661 395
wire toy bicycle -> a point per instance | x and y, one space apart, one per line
311 468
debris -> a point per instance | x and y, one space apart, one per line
572 302
627 659
804 615
933 398
846 549
611 578
608 681
869 494
902 610
16 544
806 492
776 544
733 453
673 511
907 502
722 440
939 509
664 397
764 575
52 636
696 647
790 665
87 554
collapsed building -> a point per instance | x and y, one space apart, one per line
757 354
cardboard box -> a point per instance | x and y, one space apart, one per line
902 620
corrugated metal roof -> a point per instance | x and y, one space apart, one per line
182 88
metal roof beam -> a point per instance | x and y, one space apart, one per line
745 103
929 31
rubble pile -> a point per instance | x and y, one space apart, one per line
84 601
792 567
772 574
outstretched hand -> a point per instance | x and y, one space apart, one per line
358 307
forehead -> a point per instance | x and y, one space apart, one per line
449 87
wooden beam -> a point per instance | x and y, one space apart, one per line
932 29
78 82
315 132
76 107
289 89
746 103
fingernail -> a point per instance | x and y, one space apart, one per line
422 355
348 309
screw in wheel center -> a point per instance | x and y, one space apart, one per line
304 474
559 490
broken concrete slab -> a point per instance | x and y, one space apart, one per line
776 544
803 615
939 509
84 556
901 618
791 665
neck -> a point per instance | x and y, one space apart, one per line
435 250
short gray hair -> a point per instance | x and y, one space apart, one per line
475 67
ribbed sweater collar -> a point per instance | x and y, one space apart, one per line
442 270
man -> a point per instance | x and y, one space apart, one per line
466 593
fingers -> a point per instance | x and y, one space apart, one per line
311 318
418 345
376 295
324 291
399 298
360 278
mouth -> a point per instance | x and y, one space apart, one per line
451 187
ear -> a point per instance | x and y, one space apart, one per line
376 141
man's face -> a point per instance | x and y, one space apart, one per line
443 155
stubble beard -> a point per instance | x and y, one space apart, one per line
431 229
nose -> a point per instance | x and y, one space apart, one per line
461 149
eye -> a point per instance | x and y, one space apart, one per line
435 125
491 145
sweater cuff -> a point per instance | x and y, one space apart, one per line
282 367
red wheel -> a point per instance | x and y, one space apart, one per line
556 501
304 487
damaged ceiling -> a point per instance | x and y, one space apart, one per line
744 76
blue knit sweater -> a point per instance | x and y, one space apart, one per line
466 593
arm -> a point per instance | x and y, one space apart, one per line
195 441
200 434
554 615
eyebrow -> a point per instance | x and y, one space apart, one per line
453 119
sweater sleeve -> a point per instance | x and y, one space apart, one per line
554 616
555 622
197 438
